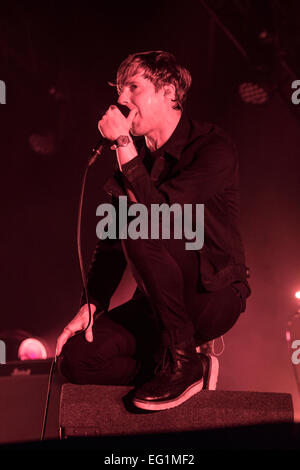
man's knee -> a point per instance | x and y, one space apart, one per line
85 370
115 370
69 368
84 362
72 359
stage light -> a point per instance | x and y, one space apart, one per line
43 144
297 294
21 345
32 348
253 93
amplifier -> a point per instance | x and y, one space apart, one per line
32 367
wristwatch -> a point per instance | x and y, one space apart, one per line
122 141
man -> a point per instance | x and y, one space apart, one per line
184 297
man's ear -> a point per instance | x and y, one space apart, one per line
169 91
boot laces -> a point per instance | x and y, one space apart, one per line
167 362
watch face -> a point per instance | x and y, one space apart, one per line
123 140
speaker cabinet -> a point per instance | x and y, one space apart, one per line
94 410
23 391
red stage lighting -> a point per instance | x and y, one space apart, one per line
22 345
32 348
253 93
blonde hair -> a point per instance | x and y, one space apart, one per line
161 68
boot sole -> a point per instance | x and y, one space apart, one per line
210 382
165 405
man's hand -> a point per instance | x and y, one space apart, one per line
114 123
79 322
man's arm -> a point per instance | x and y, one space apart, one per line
125 155
209 173
104 275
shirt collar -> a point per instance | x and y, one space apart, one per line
176 142
179 138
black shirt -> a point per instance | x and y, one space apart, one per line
198 164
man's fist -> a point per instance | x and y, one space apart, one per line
113 123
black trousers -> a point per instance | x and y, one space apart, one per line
170 302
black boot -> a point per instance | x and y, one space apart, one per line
178 377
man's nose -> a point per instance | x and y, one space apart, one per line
123 98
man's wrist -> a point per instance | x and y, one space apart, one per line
126 153
122 141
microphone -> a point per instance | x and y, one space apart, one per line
102 141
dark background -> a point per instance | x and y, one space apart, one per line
56 59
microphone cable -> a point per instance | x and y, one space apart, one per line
96 152
47 398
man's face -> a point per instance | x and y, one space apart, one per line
152 106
